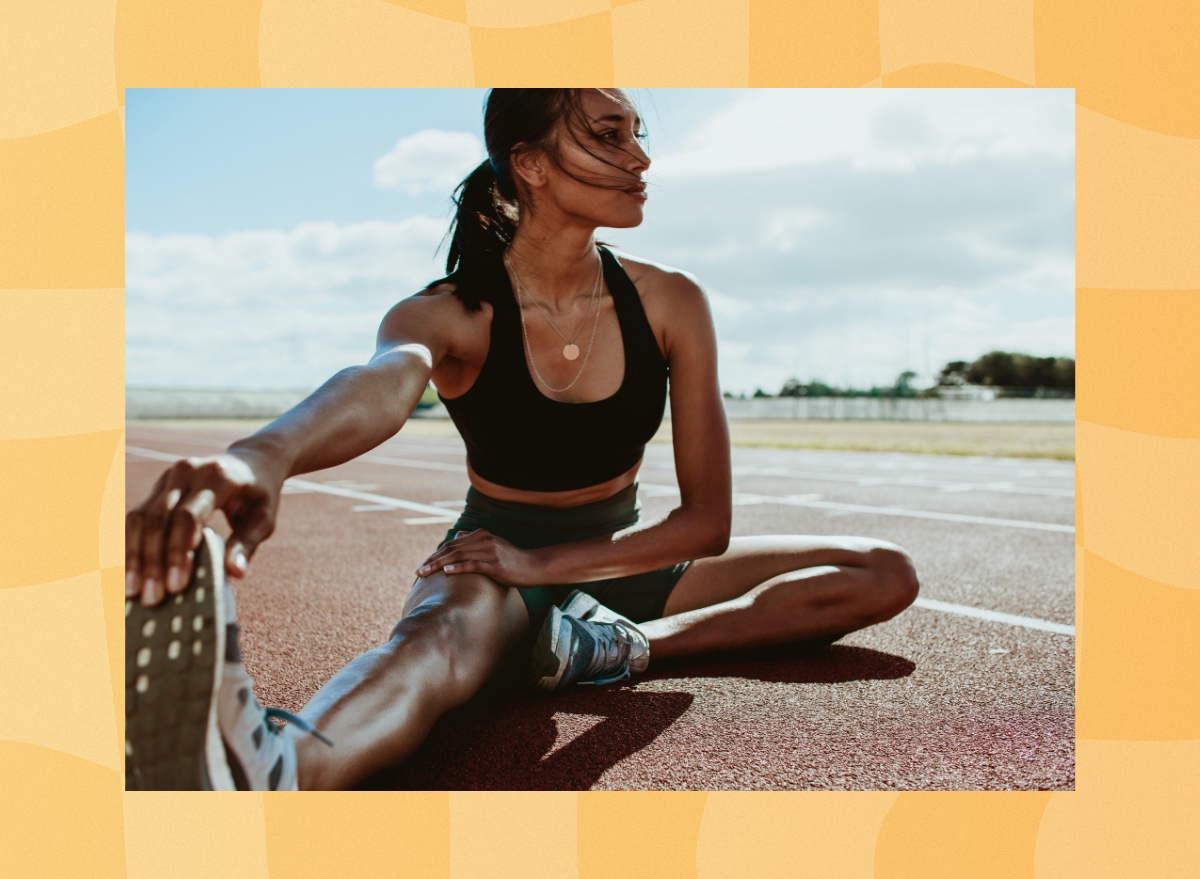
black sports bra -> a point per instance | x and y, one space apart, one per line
518 437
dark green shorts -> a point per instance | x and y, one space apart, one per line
639 597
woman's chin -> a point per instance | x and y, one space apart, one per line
624 220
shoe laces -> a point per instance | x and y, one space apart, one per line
303 725
611 653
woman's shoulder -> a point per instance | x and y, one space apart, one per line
436 313
658 283
658 280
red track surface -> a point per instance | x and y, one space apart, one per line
934 699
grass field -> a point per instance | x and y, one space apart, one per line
923 437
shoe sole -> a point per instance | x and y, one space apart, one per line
546 666
173 655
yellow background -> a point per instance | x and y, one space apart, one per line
63 67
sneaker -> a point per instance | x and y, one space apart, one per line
256 753
594 651
172 675
584 607
192 722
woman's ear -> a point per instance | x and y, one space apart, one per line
528 165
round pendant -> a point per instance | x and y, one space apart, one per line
571 352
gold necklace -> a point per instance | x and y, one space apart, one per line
529 347
570 350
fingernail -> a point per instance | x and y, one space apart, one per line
422 569
150 592
130 583
175 579
449 567
239 559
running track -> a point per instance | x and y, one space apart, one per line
972 688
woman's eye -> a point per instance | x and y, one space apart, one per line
613 134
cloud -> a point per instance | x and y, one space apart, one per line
268 308
428 161
872 129
852 276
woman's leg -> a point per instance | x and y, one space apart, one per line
782 589
377 710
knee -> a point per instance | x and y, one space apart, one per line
896 583
438 629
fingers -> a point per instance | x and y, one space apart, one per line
161 535
460 561
134 530
133 560
438 558
183 536
252 524
152 529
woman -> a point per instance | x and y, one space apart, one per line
552 356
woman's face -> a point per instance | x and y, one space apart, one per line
604 151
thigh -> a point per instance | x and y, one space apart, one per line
750 561
483 626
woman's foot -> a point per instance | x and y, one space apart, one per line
584 642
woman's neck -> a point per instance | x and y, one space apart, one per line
558 268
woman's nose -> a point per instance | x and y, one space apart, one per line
640 156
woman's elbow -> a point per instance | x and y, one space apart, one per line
718 540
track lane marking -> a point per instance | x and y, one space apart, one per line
368 497
995 616
741 498
657 490
903 481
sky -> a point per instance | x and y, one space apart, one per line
842 236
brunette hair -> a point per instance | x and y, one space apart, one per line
486 210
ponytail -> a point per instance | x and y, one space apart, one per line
483 226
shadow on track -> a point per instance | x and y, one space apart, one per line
502 741
510 745
792 664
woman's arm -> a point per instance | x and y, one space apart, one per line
356 410
698 527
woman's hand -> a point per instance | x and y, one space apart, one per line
480 552
162 533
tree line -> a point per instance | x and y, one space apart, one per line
1004 369
1012 373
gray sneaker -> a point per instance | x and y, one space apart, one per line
603 649
584 607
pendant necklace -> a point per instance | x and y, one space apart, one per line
570 350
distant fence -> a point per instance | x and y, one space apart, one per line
900 409
150 403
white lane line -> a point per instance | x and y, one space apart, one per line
995 616
655 490
921 514
369 457
374 499
412 462
803 500
905 481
